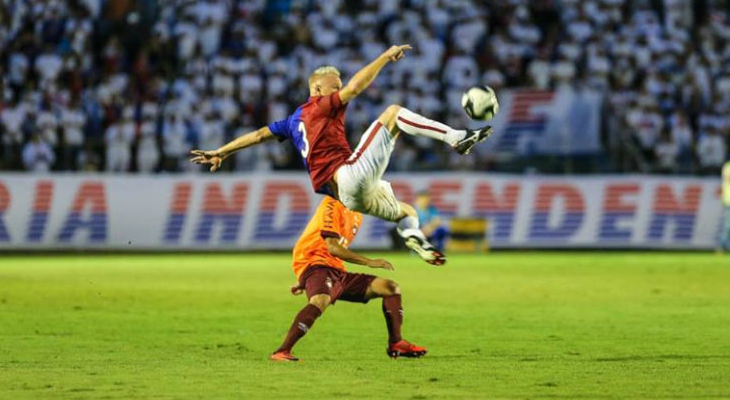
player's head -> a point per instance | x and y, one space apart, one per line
324 81
423 199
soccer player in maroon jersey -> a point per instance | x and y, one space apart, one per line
321 274
317 130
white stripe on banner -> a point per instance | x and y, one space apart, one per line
127 212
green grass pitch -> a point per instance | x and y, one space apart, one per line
524 325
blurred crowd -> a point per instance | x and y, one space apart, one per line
133 85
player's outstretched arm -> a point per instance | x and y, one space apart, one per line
345 254
215 157
364 77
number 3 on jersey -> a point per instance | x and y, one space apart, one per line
305 148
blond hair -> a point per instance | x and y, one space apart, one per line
323 70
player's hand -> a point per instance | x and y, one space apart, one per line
395 53
380 263
296 289
212 157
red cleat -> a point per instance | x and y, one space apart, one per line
405 349
283 356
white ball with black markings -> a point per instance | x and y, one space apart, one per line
480 102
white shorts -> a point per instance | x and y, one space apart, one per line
359 185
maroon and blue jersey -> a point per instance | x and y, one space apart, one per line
317 130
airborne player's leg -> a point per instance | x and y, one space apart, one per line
361 188
461 140
395 119
398 118
409 229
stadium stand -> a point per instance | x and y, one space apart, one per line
133 85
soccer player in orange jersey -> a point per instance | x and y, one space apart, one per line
318 265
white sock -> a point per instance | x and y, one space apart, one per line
418 125
409 226
409 222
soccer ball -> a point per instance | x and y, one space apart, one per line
480 102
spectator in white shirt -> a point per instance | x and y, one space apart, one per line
647 128
681 131
209 37
73 120
666 153
148 155
580 29
539 72
175 147
47 125
522 30
18 68
48 65
461 71
118 138
186 32
465 35
563 72
212 132
38 155
12 118
711 151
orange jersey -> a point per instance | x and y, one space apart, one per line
332 219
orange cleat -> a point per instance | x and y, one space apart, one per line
405 349
283 356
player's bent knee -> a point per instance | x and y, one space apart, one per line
406 210
392 110
392 287
388 116
383 288
320 301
